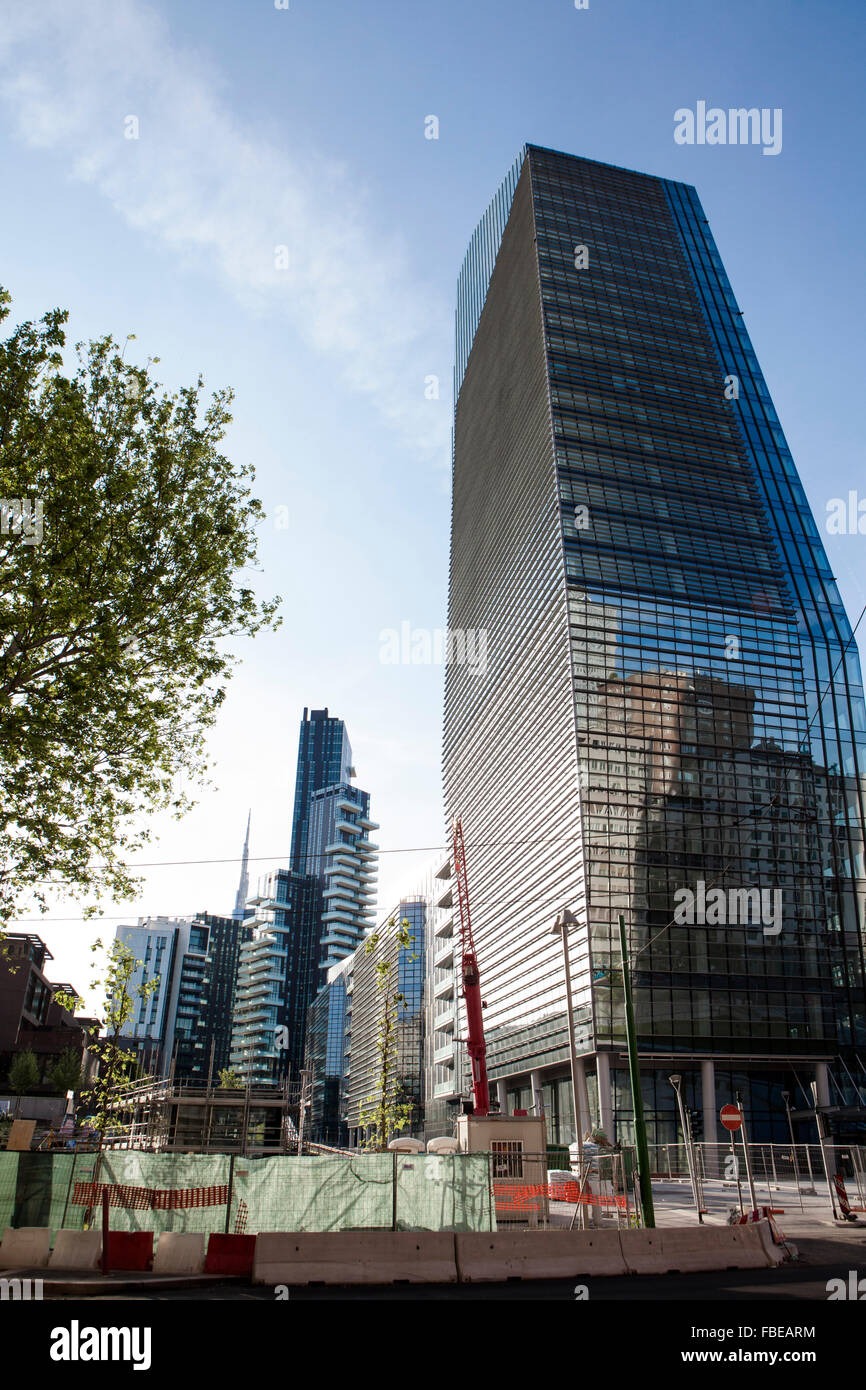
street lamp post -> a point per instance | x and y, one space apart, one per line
810 1190
566 919
687 1138
745 1138
786 1097
819 1121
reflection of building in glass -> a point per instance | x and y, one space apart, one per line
326 1058
342 1036
366 1014
672 695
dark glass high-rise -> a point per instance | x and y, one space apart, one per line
672 713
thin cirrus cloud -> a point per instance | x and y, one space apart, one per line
71 74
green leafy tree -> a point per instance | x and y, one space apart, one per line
230 1080
119 1069
113 625
24 1072
387 1111
64 1074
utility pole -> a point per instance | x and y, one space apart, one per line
646 1187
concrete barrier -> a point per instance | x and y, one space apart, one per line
689 1249
26 1247
180 1252
130 1250
499 1255
230 1254
76 1250
355 1257
386 1257
773 1251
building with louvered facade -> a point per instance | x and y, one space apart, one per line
672 701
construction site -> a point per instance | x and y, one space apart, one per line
191 1174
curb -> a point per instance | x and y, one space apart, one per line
88 1288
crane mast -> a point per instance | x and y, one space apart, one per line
475 1043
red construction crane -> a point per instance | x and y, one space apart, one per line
475 1043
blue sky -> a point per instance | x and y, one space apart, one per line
304 128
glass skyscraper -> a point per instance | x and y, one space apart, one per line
326 1055
308 917
324 759
671 724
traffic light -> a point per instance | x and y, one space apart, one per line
696 1122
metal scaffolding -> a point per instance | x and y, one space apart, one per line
167 1117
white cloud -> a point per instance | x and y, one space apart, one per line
199 183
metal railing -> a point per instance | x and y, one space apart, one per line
801 1170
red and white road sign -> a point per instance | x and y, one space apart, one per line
730 1116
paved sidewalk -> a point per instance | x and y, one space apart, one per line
799 1214
675 1205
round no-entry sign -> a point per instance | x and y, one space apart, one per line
730 1116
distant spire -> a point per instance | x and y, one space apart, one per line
244 885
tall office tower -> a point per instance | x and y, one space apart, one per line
342 858
277 977
324 759
672 714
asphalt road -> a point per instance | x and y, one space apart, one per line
796 1284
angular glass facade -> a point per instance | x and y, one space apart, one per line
326 1056
324 759
672 692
